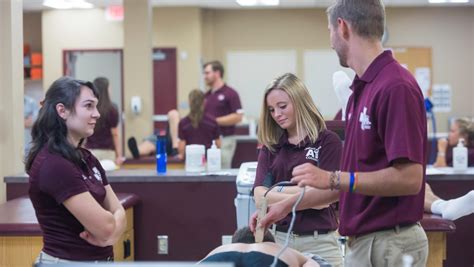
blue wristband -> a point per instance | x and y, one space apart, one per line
351 182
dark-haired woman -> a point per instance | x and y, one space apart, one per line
104 143
197 127
77 210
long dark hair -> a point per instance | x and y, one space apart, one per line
196 107
49 128
105 105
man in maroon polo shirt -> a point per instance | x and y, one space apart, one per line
381 185
223 103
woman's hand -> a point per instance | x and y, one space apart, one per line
91 239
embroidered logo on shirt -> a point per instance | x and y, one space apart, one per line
97 174
365 123
312 153
221 97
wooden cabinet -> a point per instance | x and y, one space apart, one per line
124 248
22 251
21 240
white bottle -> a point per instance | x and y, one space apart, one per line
460 157
195 158
213 158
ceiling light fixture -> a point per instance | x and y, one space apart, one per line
447 1
67 4
258 2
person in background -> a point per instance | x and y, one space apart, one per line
29 115
105 142
244 252
460 128
293 132
198 127
77 210
223 103
453 209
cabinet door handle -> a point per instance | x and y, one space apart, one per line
126 248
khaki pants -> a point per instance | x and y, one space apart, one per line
386 248
102 154
227 151
325 245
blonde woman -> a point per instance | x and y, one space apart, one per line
293 132
461 128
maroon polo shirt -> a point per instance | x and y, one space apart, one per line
53 180
102 137
206 131
276 167
470 156
385 121
223 101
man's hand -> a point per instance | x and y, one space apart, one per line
275 213
309 175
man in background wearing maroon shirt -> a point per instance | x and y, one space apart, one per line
223 103
381 183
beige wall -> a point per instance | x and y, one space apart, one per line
83 29
209 34
11 91
32 30
138 66
75 29
452 40
181 28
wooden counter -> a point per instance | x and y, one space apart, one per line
21 237
195 210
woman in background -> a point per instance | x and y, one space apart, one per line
461 128
105 143
78 212
197 127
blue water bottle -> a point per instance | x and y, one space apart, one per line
161 157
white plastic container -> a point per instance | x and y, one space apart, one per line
252 128
213 158
195 158
460 157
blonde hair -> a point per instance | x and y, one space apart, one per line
466 129
308 117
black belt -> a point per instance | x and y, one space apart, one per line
302 233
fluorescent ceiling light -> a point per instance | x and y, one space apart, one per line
258 2
247 2
270 2
447 1
67 4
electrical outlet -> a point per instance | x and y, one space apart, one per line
162 244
